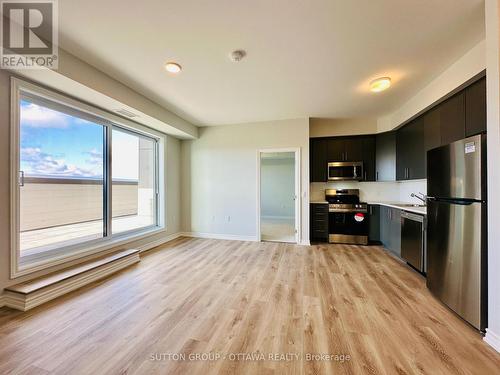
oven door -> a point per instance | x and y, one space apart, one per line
348 227
338 171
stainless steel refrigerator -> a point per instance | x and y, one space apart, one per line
456 227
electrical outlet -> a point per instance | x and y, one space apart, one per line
229 219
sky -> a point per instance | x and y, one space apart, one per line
55 144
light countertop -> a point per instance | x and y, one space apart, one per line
400 205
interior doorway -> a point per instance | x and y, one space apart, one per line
278 203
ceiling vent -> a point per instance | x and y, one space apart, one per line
126 113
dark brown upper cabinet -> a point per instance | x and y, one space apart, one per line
385 158
369 157
325 150
410 152
475 108
318 159
335 149
353 149
452 119
402 154
432 129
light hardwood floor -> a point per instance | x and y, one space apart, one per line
199 296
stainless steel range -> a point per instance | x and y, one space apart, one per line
348 219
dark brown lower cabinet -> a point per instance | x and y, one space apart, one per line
319 222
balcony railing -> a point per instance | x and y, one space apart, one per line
48 202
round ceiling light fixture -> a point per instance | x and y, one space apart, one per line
173 67
380 84
237 55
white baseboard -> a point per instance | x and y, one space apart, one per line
158 242
492 339
233 237
278 217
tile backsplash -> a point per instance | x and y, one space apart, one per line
374 191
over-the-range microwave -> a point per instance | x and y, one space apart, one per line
345 170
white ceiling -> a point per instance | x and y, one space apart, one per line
305 58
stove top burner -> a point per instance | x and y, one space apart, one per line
344 200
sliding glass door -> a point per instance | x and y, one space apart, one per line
82 180
134 181
61 178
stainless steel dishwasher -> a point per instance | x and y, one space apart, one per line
413 240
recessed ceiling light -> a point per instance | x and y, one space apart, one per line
380 84
172 67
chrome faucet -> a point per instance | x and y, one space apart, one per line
421 197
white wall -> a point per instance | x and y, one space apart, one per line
397 191
465 68
324 127
277 181
220 172
493 119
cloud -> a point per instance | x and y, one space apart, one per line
35 116
95 157
38 162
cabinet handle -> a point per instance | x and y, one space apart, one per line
365 176
376 176
346 156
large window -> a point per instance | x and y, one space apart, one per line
84 179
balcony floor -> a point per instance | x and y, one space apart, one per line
36 241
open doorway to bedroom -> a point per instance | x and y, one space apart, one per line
278 195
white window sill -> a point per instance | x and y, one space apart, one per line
63 255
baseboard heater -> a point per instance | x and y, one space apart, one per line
27 295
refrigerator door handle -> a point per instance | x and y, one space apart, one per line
457 201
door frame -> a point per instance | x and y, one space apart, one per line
298 189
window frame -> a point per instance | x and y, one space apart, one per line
70 252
